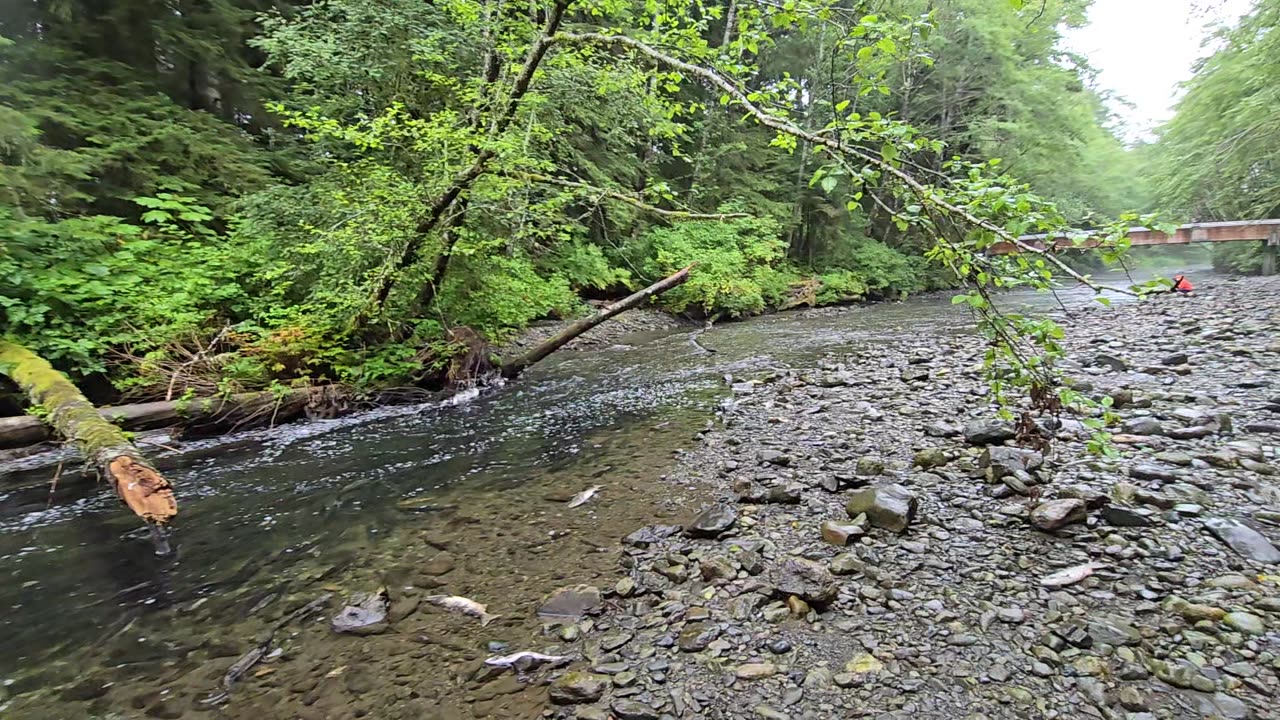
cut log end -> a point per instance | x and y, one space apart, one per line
143 489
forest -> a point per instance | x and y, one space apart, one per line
214 196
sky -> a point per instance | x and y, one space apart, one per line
1142 49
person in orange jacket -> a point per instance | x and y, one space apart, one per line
1181 285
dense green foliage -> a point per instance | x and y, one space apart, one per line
252 189
1219 157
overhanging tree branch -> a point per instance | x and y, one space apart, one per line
831 145
463 181
625 198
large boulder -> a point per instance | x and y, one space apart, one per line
891 507
805 579
1054 514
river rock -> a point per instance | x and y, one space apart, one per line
573 688
755 671
1055 514
1113 630
930 458
697 636
1147 471
890 507
366 614
1179 358
1009 461
1191 433
1221 706
869 466
1193 612
750 492
1120 516
774 457
633 710
1243 539
440 564
1142 426
913 374
1246 623
805 579
846 564
839 534
712 521
1109 361
988 432
651 535
571 604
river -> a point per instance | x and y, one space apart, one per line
94 623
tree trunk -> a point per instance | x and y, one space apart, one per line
144 490
512 368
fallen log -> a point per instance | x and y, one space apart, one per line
147 493
200 415
515 366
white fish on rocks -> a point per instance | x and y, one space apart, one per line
466 606
582 497
1071 575
536 657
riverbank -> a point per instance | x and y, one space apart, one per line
937 605
921 623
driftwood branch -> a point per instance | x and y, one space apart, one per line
514 367
138 484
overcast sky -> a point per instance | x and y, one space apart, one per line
1144 48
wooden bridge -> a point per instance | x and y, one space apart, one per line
1264 231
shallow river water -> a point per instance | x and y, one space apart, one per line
95 625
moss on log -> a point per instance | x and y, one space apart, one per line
138 484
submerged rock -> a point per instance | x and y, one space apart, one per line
365 615
891 507
570 604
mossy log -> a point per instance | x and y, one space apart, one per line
197 416
138 484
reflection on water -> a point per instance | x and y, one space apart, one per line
270 519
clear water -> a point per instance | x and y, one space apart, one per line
270 520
